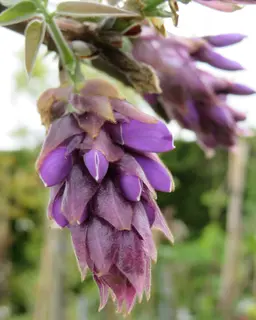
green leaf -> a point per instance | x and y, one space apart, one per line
34 36
92 9
19 12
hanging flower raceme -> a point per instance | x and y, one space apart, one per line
195 98
100 164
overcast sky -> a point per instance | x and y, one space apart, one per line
194 20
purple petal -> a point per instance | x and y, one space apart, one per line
102 246
159 221
221 115
161 225
111 206
223 40
55 167
150 211
104 144
240 89
157 174
217 60
57 213
55 191
145 137
75 143
78 235
104 292
99 105
148 278
90 123
219 5
152 99
60 130
129 166
131 260
131 187
122 289
96 164
141 224
128 110
80 188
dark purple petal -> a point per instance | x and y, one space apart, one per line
104 144
152 99
128 110
223 40
57 213
55 191
111 206
157 174
96 164
141 224
102 245
75 143
131 187
55 167
90 123
217 60
129 166
150 211
60 130
145 137
78 235
80 188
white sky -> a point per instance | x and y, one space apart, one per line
194 20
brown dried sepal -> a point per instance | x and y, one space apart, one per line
52 104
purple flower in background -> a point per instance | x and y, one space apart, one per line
196 99
100 165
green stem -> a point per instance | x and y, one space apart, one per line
66 55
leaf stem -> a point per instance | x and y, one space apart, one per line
66 55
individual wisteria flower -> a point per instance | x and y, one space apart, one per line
100 164
196 99
225 5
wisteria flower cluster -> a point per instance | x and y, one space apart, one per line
196 99
101 166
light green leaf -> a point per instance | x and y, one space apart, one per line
19 12
92 9
34 36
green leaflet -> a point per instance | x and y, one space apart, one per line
34 36
92 9
17 13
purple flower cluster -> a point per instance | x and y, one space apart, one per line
100 164
196 99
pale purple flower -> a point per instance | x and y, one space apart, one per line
225 5
196 99
100 165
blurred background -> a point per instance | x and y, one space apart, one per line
210 272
